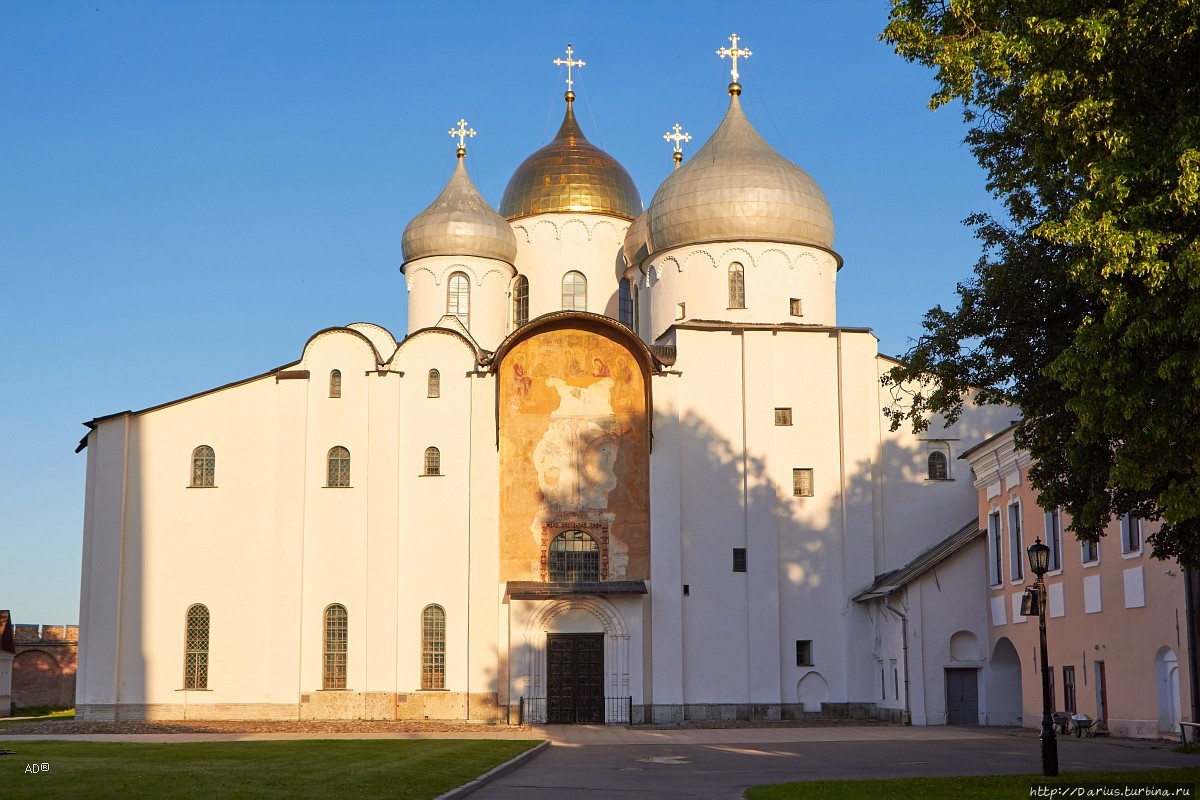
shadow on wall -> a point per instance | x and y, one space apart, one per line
44 667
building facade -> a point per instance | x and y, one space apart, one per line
624 465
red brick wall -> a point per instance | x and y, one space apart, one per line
44 667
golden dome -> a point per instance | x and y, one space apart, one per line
570 174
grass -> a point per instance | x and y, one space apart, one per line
405 769
37 713
964 788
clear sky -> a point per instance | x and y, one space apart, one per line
189 190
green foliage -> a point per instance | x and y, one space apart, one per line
1084 309
392 768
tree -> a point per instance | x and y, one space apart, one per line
1084 308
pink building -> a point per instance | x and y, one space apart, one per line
1117 619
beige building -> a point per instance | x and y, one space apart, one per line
1117 620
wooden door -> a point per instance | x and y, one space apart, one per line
575 678
962 697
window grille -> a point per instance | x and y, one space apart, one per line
573 556
435 384
458 298
783 416
739 559
625 303
337 627
339 467
802 482
804 657
335 383
433 461
794 307
520 301
574 292
433 647
195 659
737 286
204 466
939 469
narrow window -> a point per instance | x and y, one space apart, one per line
680 310
335 383
520 301
737 286
458 298
433 647
794 307
1054 538
739 559
802 482
783 417
1091 552
204 466
435 384
337 625
1069 689
433 461
633 294
996 548
573 556
1131 534
339 467
1016 549
195 658
804 657
938 466
625 303
574 291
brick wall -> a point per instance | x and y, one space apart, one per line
43 671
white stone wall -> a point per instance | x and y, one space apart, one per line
490 304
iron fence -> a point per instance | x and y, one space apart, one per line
535 711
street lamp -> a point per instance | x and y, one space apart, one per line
1034 602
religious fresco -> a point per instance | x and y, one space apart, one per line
574 451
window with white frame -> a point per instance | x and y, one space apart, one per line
1089 552
802 482
1016 543
1131 534
1053 538
574 291
995 549
458 298
737 286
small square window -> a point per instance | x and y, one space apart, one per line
794 307
804 653
739 559
783 416
802 482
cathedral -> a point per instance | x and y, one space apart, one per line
623 466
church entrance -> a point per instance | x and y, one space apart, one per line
575 678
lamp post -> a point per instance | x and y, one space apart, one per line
1034 602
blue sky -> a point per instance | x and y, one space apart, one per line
189 190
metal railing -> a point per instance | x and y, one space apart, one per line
535 711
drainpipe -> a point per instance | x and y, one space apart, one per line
887 603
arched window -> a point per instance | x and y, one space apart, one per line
625 303
737 286
335 383
337 627
195 648
574 292
435 384
458 298
204 466
520 301
433 647
433 461
574 556
939 468
339 467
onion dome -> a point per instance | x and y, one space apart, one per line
459 223
570 175
637 246
738 188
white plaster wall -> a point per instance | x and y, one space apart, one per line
773 274
550 245
426 279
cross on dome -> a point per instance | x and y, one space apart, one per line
569 62
678 137
462 132
734 54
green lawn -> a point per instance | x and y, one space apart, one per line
973 788
38 713
396 768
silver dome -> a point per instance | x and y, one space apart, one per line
636 247
738 188
459 223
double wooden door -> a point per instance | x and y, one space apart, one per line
575 678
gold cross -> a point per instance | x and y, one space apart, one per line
734 54
461 133
569 62
678 137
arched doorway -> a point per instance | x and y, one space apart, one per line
1004 706
1166 671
